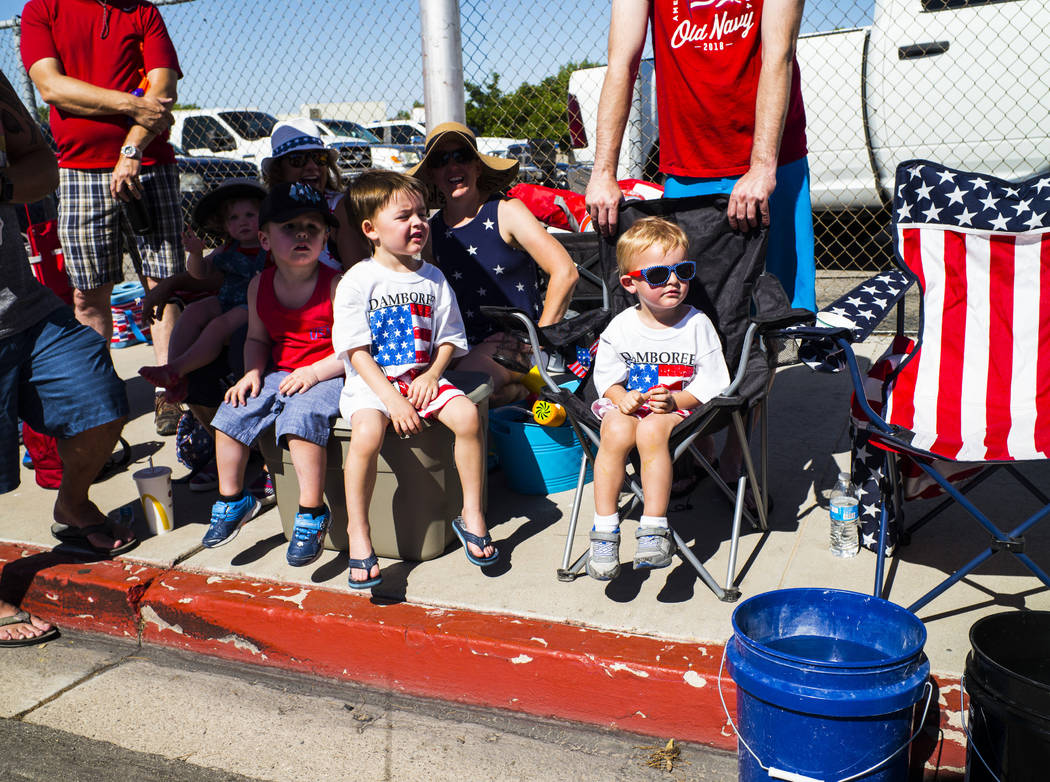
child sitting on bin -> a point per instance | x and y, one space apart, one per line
655 363
397 327
205 326
292 377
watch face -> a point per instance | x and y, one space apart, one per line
130 151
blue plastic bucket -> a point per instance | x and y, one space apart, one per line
536 459
826 684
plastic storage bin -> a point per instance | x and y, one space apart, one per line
417 492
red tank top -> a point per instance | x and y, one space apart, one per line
299 336
707 55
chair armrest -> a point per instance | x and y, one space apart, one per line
848 320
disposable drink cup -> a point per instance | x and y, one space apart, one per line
154 485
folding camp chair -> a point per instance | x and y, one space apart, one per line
973 390
743 302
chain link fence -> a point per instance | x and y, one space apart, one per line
965 82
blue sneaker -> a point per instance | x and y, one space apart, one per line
227 518
307 541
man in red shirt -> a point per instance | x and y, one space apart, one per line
731 118
109 71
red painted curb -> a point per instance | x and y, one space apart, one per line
626 682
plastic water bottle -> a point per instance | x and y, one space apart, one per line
845 504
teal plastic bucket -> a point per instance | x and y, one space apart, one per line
536 459
826 682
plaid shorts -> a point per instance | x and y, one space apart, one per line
95 234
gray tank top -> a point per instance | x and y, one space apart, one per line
23 301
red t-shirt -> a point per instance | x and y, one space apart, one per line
708 54
301 336
135 43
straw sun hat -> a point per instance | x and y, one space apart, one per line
496 172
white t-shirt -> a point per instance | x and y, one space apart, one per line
402 316
684 357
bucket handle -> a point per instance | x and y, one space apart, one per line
791 776
966 729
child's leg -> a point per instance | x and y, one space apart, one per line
652 437
310 461
655 543
231 459
209 343
368 428
618 436
461 416
190 324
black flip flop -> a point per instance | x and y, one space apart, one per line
77 538
23 617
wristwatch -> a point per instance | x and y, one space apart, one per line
7 188
131 151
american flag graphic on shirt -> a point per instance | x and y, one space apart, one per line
401 334
642 377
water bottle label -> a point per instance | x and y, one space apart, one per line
844 510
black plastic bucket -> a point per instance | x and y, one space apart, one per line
1008 680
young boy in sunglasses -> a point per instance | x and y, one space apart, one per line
655 363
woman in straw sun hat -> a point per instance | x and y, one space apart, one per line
299 155
488 246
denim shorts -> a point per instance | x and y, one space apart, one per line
309 415
58 377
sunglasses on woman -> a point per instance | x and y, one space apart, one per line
298 159
659 275
460 155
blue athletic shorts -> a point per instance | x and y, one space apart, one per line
790 252
58 377
309 415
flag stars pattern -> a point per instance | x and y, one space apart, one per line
932 194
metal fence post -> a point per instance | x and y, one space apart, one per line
442 61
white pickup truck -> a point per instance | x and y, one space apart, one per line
962 82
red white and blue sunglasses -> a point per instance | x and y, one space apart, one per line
659 275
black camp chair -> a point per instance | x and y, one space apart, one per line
743 302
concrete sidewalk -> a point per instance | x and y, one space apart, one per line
639 654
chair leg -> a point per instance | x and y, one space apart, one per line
734 541
569 572
749 466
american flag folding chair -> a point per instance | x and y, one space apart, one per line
743 302
973 389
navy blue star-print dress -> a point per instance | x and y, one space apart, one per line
483 269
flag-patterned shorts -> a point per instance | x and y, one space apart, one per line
359 396
95 235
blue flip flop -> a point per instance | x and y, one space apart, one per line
364 564
465 536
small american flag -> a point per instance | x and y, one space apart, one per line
584 359
401 334
642 377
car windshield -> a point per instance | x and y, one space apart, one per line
404 134
251 125
346 128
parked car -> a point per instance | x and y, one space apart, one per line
360 148
228 133
945 80
395 131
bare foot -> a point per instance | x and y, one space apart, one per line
162 376
88 515
475 523
34 628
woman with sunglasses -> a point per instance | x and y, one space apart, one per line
299 155
488 248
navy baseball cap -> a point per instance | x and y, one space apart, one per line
291 199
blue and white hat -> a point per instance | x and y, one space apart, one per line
288 200
295 135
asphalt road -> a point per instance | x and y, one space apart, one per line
94 709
